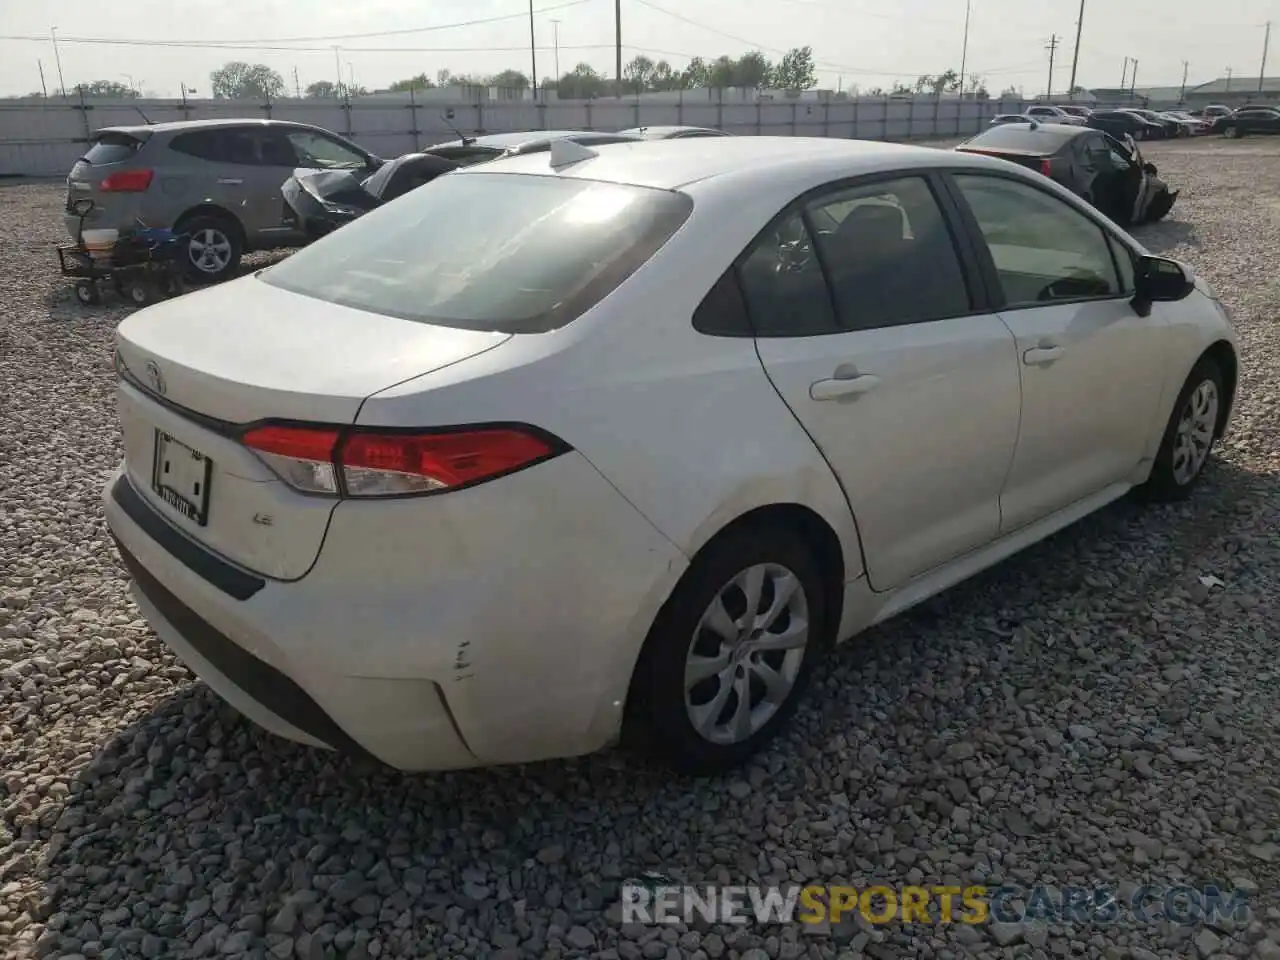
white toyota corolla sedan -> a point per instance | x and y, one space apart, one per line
617 441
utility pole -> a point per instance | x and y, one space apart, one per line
1262 70
297 87
1182 94
337 65
1133 80
1124 75
53 32
43 89
1228 90
964 48
533 55
1052 47
351 75
555 28
1075 55
617 44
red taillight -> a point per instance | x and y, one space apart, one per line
127 181
379 464
1046 167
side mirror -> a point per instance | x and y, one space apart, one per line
1159 280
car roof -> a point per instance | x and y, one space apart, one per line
659 132
144 130
519 138
1043 138
675 163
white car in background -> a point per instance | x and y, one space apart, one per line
619 440
1049 114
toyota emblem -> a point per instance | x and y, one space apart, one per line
155 377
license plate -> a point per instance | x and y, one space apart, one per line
181 477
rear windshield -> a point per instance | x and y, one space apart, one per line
488 251
1045 140
111 148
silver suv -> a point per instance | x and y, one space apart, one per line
217 180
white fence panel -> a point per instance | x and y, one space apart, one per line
44 138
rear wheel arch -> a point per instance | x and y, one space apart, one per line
213 210
812 528
778 523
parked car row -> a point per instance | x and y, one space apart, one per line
231 186
616 440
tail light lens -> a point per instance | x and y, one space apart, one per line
370 463
127 181
1046 167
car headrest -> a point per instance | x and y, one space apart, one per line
871 229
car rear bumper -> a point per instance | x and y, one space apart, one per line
407 644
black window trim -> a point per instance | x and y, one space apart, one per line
988 266
977 285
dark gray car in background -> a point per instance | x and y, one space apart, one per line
216 180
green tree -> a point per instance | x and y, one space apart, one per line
638 74
322 90
664 78
247 81
752 70
508 80
107 88
582 83
796 71
696 74
420 82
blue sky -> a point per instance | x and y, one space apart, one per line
861 43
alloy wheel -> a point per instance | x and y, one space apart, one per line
746 653
209 250
1194 434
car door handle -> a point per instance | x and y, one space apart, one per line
230 181
1037 356
838 387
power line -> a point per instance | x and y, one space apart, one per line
827 64
254 44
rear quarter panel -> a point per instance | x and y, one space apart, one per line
686 426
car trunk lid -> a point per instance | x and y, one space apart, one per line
196 370
1026 158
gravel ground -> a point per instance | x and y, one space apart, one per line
1089 712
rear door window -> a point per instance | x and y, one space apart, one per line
219 145
111 148
502 252
889 255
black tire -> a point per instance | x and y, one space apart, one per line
139 293
88 294
1167 483
1232 132
658 721
205 231
1139 134
172 285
